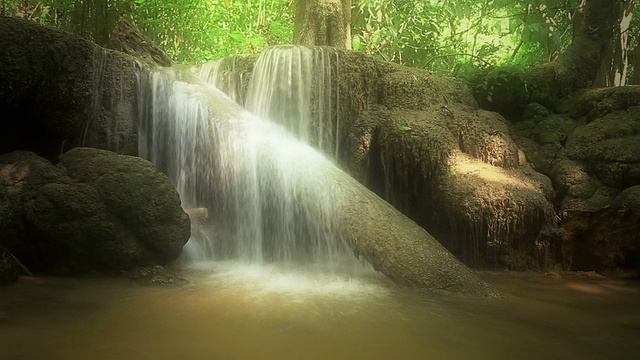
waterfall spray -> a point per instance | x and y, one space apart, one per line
264 187
292 86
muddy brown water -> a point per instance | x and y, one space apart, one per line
235 311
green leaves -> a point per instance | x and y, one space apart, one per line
190 31
458 37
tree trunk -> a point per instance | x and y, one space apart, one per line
613 71
128 39
102 22
323 22
621 59
508 91
576 20
634 61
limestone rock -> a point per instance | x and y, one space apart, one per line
610 146
592 155
150 199
156 276
597 103
456 172
605 238
95 210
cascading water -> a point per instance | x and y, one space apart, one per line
264 188
226 75
273 198
291 86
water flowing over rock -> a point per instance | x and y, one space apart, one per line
419 141
275 198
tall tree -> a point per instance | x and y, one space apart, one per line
613 71
323 22
576 68
102 22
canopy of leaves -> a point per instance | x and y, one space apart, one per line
188 30
452 37
455 36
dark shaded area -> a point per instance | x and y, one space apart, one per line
45 86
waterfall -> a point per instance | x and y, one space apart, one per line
266 190
226 75
274 199
290 85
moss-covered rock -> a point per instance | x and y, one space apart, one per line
591 155
610 146
58 91
597 103
95 211
456 172
605 234
149 205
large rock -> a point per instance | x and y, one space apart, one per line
59 91
610 147
95 210
458 174
280 199
604 236
591 155
421 142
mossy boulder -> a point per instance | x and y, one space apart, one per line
96 210
610 146
457 173
592 155
605 235
58 91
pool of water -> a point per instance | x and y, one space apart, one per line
233 311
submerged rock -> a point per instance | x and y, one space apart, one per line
96 210
9 267
156 275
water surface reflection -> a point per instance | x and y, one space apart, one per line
240 312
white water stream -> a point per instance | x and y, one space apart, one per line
266 192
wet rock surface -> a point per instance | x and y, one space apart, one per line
421 142
156 276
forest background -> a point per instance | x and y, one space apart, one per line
448 37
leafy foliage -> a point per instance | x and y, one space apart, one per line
460 36
451 37
188 30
